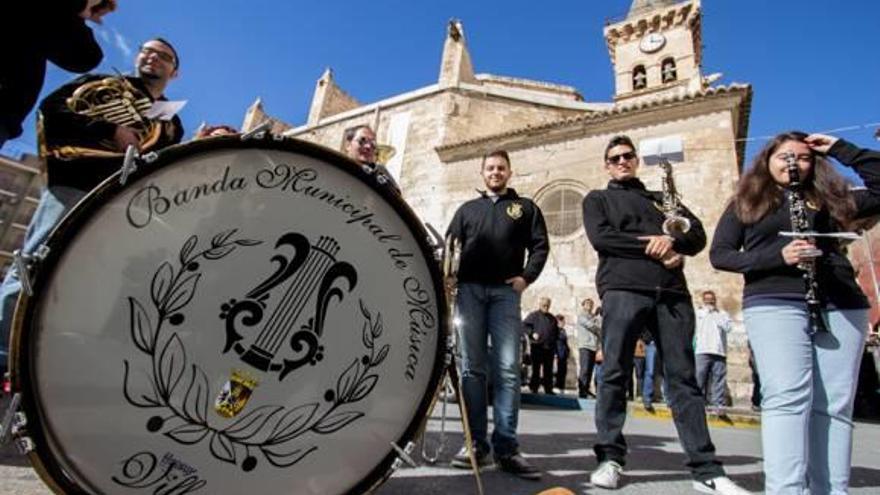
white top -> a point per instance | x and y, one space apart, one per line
711 334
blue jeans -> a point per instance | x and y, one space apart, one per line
54 203
808 386
653 370
712 377
490 311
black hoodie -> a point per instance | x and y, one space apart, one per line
495 236
614 219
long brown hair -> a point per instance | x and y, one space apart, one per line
758 193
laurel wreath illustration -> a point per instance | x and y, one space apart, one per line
179 393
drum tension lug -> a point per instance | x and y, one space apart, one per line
403 456
24 445
129 164
258 132
24 263
14 421
436 241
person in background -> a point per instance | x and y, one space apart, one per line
563 352
588 327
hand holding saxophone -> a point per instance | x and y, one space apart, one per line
659 246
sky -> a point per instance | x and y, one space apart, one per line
813 64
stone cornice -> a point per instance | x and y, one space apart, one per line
659 20
618 118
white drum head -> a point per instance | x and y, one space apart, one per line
244 318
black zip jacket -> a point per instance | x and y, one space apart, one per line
756 250
615 218
63 127
495 236
543 324
44 30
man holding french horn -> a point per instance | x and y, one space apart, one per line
641 243
86 127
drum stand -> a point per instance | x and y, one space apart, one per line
448 252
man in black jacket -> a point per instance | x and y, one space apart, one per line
495 231
55 30
642 284
542 329
71 176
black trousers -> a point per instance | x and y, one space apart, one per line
626 315
561 371
542 368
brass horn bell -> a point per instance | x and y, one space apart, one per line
114 100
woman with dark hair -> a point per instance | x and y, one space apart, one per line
807 379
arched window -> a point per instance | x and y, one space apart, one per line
640 77
667 70
562 209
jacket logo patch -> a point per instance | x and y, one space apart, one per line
515 211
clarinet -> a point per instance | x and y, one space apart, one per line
797 205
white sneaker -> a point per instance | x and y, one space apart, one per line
721 485
607 475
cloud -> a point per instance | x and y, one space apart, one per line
122 44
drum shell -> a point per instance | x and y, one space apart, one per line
23 366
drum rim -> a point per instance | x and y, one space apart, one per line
21 362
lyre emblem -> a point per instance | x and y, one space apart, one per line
312 271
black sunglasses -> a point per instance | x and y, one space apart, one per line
629 155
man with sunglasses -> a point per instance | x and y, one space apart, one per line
641 281
72 169
360 146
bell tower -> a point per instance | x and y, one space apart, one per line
656 49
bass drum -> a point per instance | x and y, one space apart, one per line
254 316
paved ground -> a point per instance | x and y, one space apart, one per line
558 441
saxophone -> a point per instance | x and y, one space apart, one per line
675 222
797 206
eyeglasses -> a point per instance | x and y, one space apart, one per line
629 155
163 56
805 158
365 140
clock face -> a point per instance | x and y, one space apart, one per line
652 42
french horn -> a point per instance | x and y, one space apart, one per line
114 100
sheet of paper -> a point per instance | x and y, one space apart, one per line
165 110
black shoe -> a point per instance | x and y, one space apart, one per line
649 408
517 465
463 461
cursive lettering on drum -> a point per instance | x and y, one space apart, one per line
168 476
151 201
421 321
303 182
